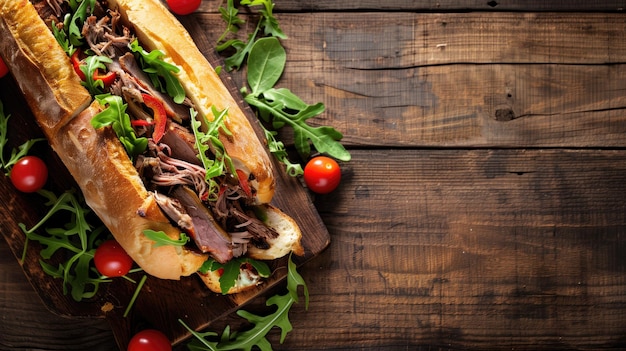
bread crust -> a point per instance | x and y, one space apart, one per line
113 189
40 66
202 84
288 241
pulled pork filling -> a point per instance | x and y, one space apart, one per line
170 167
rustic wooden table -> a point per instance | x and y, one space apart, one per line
485 205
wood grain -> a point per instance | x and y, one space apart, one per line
439 5
484 206
482 249
461 80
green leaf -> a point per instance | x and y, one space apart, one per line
75 24
162 74
277 148
92 64
230 16
256 337
161 239
115 115
232 269
268 21
4 131
4 139
266 63
325 139
209 141
235 61
76 240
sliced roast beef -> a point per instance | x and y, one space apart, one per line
174 210
181 143
258 231
208 235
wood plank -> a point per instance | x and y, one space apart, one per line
457 80
483 249
22 309
438 5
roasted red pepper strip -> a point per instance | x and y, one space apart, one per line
160 117
140 123
107 79
243 181
76 61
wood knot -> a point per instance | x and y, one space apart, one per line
505 115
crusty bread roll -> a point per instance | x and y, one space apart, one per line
246 281
113 189
202 84
40 66
288 241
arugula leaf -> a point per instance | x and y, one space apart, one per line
115 115
15 154
77 239
229 15
277 148
279 104
161 73
284 106
236 60
209 142
92 64
268 21
75 24
262 325
229 277
161 239
62 39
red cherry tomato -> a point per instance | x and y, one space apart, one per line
3 68
29 174
111 260
149 340
322 174
183 7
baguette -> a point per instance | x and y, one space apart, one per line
127 196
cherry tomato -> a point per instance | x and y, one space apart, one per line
183 7
322 174
149 340
111 260
3 68
29 174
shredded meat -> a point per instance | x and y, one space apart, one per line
166 171
102 37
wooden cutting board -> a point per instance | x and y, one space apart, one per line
160 303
